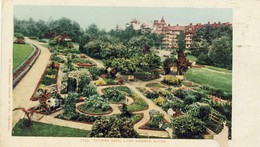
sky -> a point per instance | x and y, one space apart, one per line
108 17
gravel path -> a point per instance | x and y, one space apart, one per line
25 88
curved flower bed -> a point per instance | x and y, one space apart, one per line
23 68
79 107
42 77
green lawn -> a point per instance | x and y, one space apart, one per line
192 58
20 53
219 69
214 79
42 129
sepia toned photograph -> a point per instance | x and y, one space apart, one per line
122 72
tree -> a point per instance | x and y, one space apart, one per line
188 127
112 127
181 41
221 52
167 64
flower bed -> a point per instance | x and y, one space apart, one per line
49 77
124 89
155 85
96 111
138 105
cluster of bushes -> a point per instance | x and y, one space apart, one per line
96 72
57 59
61 49
124 89
89 90
146 76
114 95
155 121
172 80
80 60
152 95
188 127
113 127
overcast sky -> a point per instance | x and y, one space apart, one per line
108 17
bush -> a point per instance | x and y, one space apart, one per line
159 101
19 35
152 95
155 121
95 72
189 99
172 80
100 81
114 95
112 127
52 42
146 76
188 127
89 90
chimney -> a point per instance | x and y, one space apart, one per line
177 25
169 25
190 24
208 22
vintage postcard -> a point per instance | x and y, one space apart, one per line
124 73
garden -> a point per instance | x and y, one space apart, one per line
86 79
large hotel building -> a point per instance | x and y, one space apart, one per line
170 32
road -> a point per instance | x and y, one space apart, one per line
25 88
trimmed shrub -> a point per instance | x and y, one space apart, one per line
152 95
172 80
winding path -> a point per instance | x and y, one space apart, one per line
25 88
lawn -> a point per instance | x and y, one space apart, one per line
42 129
219 69
20 53
214 79
192 58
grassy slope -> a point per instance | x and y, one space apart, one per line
20 53
215 79
42 129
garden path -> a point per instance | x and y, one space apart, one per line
25 88
222 137
50 119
